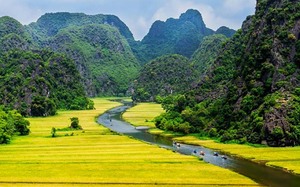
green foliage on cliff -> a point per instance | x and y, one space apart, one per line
208 51
175 36
163 76
50 24
173 74
102 55
13 35
37 83
225 31
251 92
98 45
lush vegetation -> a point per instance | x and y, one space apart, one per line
208 51
163 76
12 123
38 83
108 65
13 35
283 157
50 24
102 46
173 74
98 45
251 92
108 159
225 31
175 36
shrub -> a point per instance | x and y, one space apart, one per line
75 123
53 132
213 132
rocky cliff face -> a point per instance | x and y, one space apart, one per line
98 44
13 35
251 93
261 91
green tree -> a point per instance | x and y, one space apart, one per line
53 132
75 123
42 106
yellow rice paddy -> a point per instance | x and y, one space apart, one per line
95 156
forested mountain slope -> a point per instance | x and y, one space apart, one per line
173 74
36 82
102 56
208 51
225 31
164 76
98 44
252 92
13 35
175 36
51 23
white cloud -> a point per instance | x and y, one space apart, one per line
19 10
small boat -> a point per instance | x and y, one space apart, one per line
202 153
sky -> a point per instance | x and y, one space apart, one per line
138 15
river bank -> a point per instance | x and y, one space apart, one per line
285 158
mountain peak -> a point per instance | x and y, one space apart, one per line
193 16
10 25
190 13
53 22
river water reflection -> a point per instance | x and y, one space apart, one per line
264 175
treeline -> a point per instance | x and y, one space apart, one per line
12 123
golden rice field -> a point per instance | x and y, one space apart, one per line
96 157
143 114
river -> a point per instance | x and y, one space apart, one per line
262 174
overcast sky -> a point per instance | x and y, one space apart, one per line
138 15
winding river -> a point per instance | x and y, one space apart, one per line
262 174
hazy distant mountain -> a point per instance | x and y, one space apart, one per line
175 36
165 75
225 31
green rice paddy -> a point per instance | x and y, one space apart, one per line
95 156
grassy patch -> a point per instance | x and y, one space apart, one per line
98 157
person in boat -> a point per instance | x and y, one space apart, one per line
174 143
109 117
202 153
224 157
216 154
